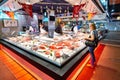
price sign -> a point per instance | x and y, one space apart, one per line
10 23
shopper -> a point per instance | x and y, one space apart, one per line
92 37
43 30
30 31
59 28
75 29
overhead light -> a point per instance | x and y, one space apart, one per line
28 3
118 18
112 10
76 3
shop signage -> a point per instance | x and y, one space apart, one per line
10 23
27 8
76 10
91 15
10 14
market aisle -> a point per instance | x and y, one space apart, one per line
87 72
108 66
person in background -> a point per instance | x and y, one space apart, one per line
78 27
59 28
75 28
92 37
30 30
42 29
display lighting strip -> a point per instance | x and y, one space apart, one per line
54 3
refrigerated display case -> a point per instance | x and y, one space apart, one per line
56 50
57 55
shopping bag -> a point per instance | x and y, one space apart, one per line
90 43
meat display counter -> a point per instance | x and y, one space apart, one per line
60 52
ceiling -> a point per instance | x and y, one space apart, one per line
111 7
114 8
60 6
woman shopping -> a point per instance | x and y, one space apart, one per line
93 37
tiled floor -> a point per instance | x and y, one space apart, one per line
4 71
88 71
108 67
12 70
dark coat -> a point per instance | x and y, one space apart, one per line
59 30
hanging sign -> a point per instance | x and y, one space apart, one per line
10 14
76 10
91 15
27 8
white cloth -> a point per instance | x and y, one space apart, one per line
42 30
75 29
31 29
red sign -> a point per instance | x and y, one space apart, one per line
91 15
76 10
10 14
27 8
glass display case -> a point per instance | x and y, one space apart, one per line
57 50
57 56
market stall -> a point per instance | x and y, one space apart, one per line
58 55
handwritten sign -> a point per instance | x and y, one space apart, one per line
10 23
